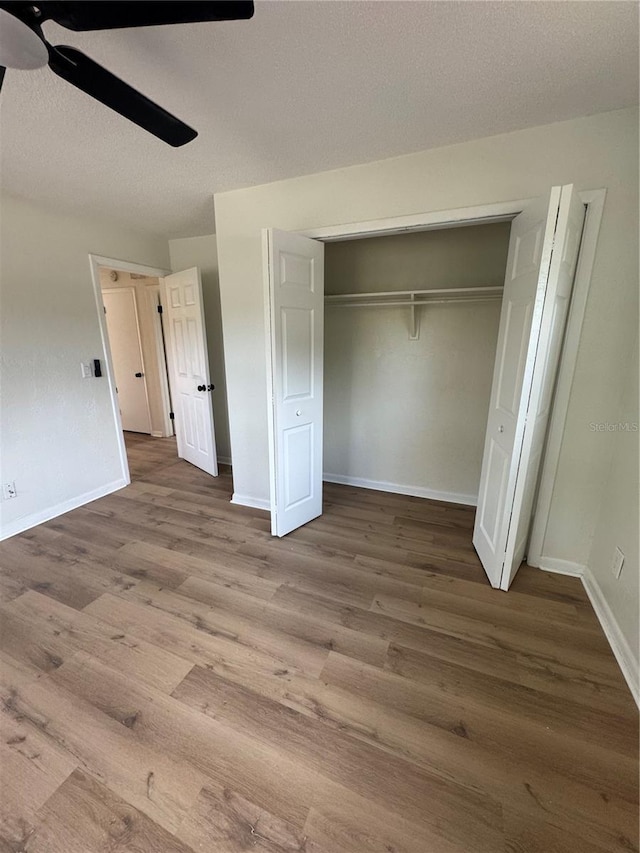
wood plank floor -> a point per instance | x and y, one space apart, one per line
174 679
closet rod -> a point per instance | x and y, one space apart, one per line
407 304
415 297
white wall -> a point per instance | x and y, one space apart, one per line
592 152
57 432
617 522
469 256
202 252
404 415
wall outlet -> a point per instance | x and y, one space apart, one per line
9 491
617 562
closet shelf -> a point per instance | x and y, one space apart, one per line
413 299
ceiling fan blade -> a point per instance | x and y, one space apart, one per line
104 15
81 71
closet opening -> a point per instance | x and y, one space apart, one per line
413 431
411 327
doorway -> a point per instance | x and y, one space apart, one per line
131 306
164 360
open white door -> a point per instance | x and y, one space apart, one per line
188 364
543 253
121 315
294 276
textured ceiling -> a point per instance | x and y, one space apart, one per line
304 87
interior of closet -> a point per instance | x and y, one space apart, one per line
411 326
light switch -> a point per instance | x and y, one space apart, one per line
85 367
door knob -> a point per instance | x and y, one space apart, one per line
500 428
202 387
139 375
298 412
211 387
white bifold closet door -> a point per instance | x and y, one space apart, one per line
188 362
294 267
541 264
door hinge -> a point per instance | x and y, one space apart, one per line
159 309
172 417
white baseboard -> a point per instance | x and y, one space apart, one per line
377 485
224 460
29 521
247 500
157 433
619 645
561 567
618 642
414 491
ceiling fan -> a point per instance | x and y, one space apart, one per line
23 46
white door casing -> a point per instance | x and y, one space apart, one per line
543 250
294 278
123 329
188 363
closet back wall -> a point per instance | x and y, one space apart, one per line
402 415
